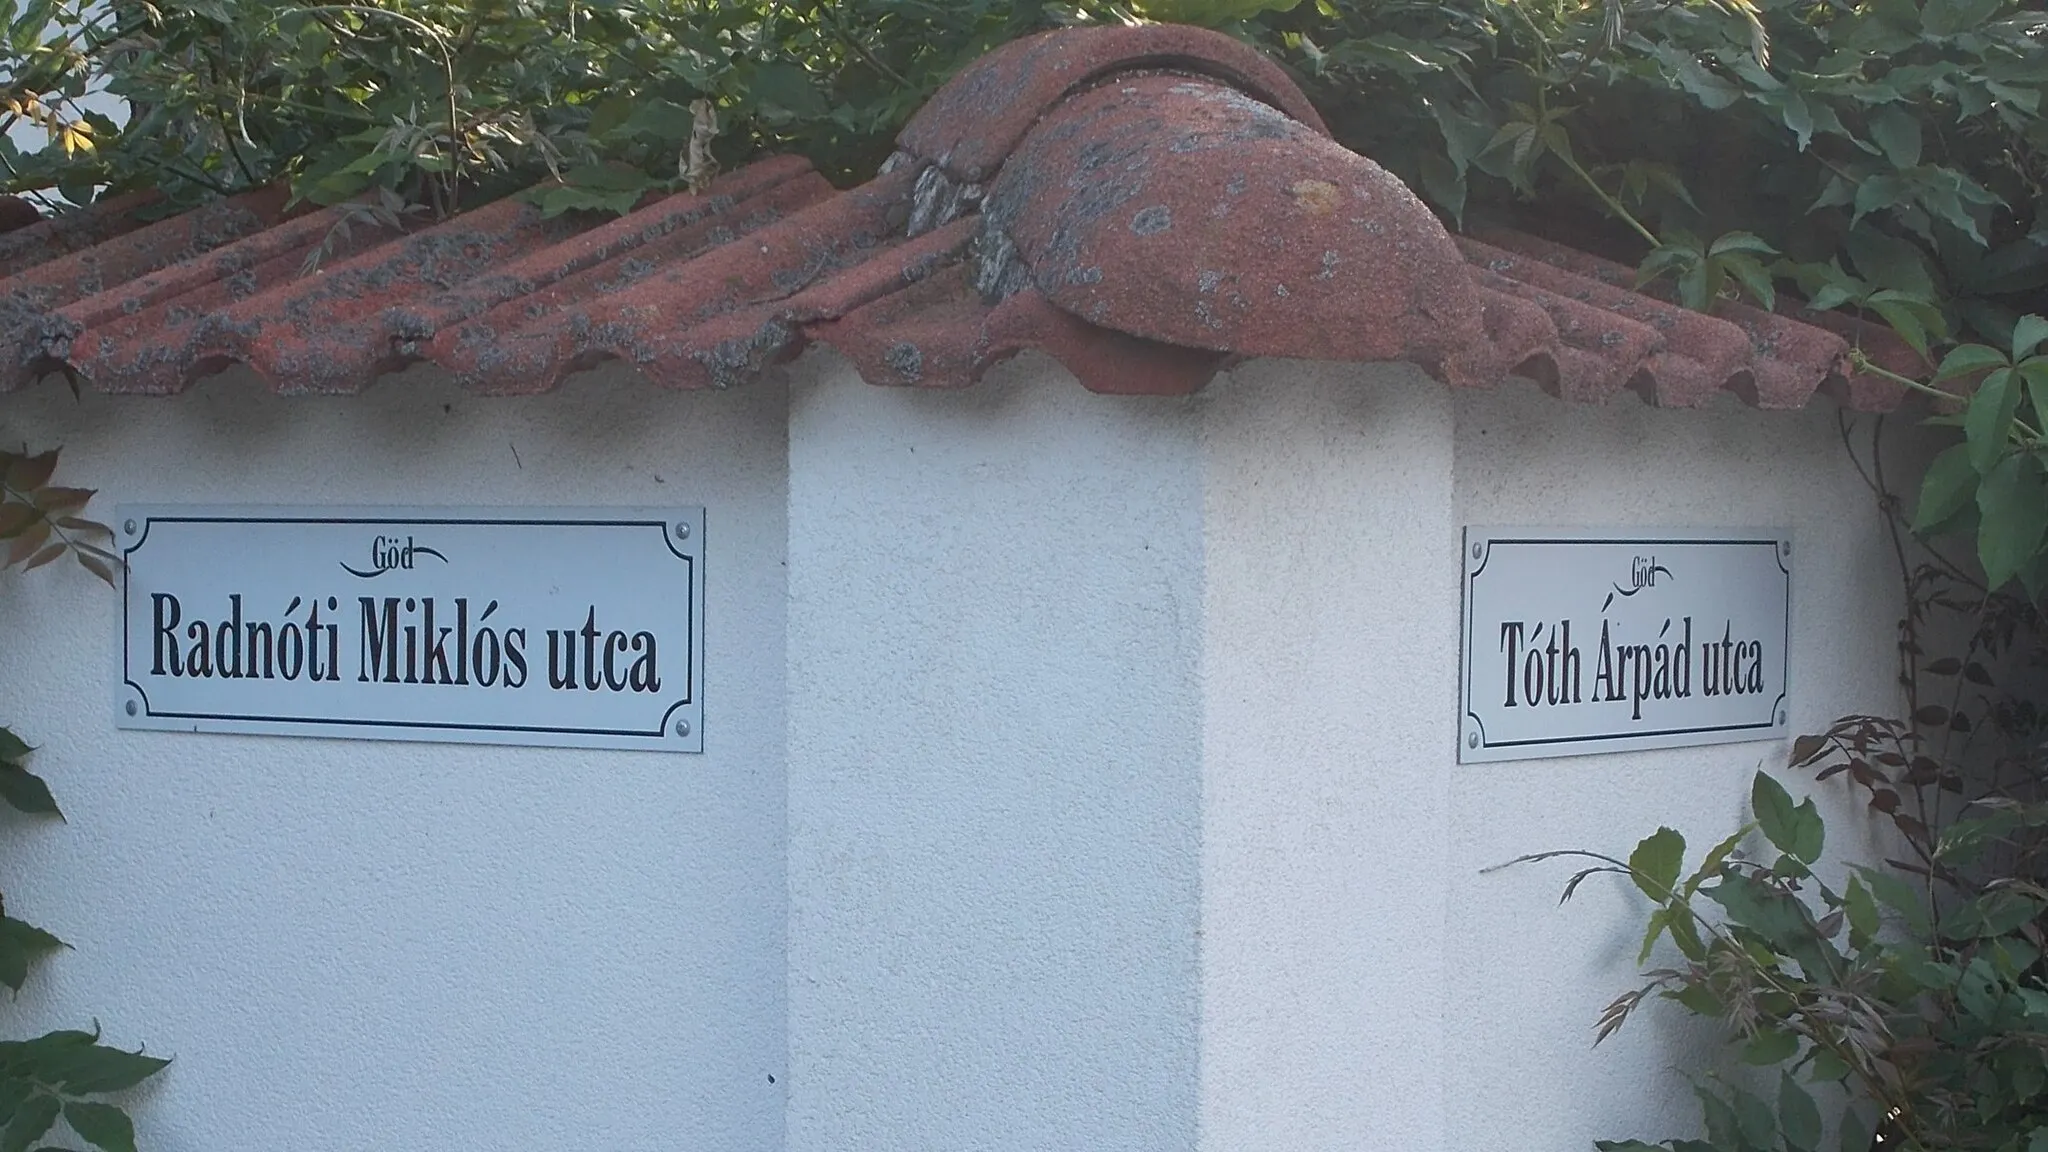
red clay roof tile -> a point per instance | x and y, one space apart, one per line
1144 204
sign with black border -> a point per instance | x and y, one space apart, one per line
577 628
1581 641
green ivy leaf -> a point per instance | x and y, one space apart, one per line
1798 1115
102 1068
1987 423
30 1121
1828 1068
2027 335
25 791
1951 17
1856 1134
1754 280
1899 896
21 945
1770 1046
1864 920
2014 503
1754 1120
1949 487
1995 913
1967 359
1897 131
2035 373
1710 867
102 1125
791 89
1656 863
1795 830
1913 320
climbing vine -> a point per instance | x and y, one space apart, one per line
63 1076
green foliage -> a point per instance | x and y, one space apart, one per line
1905 1007
41 523
1209 13
448 103
1994 485
1850 149
61 1078
1872 999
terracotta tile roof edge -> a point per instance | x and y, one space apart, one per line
1143 203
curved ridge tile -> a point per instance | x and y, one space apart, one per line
1103 360
1187 213
972 124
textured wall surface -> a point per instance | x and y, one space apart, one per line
1363 984
353 945
1330 705
1081 774
994 792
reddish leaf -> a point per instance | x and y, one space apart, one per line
97 567
26 544
1885 800
63 501
32 471
1931 715
1946 666
1807 749
43 557
1976 673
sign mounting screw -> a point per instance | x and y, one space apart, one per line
1784 547
129 527
1472 740
131 708
1475 551
1781 716
682 531
682 727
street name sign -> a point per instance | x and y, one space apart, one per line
566 627
1584 641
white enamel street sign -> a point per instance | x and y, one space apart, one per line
569 627
1579 641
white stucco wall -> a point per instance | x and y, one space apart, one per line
994 793
385 945
1364 984
1080 774
1527 979
1330 693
